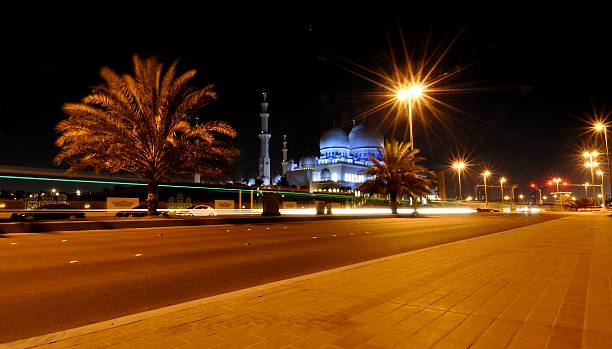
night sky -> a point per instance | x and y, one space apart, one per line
540 74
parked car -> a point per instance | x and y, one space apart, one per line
197 210
49 211
139 211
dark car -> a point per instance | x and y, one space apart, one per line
139 211
49 211
488 210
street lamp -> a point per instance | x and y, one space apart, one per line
408 94
533 186
486 174
603 194
601 127
586 186
459 166
501 186
591 164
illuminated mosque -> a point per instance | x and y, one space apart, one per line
341 162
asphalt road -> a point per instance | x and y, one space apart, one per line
55 281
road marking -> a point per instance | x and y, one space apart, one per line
13 243
64 240
73 262
138 255
334 235
227 231
314 237
247 243
352 233
268 228
248 228
284 227
367 232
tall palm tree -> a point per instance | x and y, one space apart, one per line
399 172
145 124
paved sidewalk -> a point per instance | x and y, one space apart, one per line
541 286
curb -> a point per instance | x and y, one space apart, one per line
43 227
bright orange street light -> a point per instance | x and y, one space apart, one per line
409 94
486 174
602 127
502 180
459 166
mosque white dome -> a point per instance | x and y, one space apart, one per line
334 138
325 175
308 161
276 179
365 136
265 180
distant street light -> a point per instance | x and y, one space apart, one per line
501 186
558 180
533 185
601 127
586 186
459 166
603 193
409 94
591 164
486 174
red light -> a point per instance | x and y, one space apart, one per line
565 183
532 185
549 182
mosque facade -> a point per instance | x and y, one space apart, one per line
340 163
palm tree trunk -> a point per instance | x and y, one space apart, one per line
393 202
151 198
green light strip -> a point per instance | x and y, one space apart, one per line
289 193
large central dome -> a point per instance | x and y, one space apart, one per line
334 138
365 136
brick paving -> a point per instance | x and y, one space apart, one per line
542 286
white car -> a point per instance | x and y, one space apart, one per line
198 210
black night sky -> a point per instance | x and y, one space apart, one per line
540 73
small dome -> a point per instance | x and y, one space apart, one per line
307 161
334 138
325 175
365 136
265 180
276 179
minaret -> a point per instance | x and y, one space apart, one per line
264 137
284 163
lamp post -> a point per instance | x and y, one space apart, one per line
501 187
591 164
408 94
533 186
459 166
558 180
601 127
603 194
586 186
486 174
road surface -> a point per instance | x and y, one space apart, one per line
55 281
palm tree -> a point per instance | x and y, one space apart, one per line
397 173
145 124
